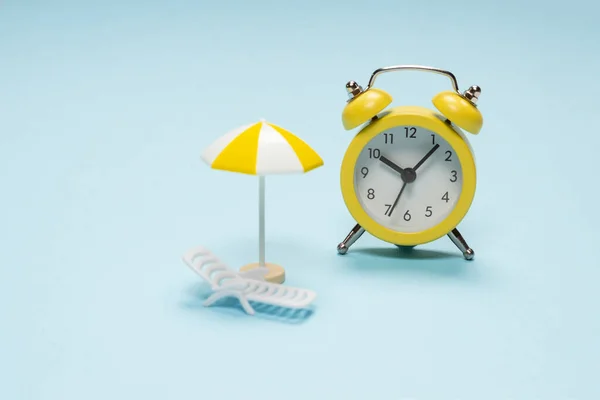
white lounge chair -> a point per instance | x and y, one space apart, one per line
245 286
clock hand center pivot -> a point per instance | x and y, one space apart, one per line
409 175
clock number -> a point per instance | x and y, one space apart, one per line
407 216
453 176
432 138
370 194
445 197
412 131
364 171
374 153
428 212
449 153
389 138
387 211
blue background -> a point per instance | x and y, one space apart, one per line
105 108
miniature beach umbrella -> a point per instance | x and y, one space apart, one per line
262 149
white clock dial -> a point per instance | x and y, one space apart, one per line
388 162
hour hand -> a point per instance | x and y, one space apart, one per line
391 164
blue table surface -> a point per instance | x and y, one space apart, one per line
105 108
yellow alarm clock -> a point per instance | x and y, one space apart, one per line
408 176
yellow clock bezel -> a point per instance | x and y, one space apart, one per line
427 119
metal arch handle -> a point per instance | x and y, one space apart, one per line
413 67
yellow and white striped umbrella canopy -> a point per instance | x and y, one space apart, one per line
261 148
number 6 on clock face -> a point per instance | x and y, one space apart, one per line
386 166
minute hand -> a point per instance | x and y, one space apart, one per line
426 157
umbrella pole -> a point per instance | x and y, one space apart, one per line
261 220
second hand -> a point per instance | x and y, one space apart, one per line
397 199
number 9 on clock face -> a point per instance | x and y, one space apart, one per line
408 179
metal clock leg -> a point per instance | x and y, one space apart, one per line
352 237
460 242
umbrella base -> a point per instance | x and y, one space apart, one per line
276 272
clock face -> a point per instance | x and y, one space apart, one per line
408 179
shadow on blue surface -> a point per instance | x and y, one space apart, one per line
230 306
403 260
409 253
